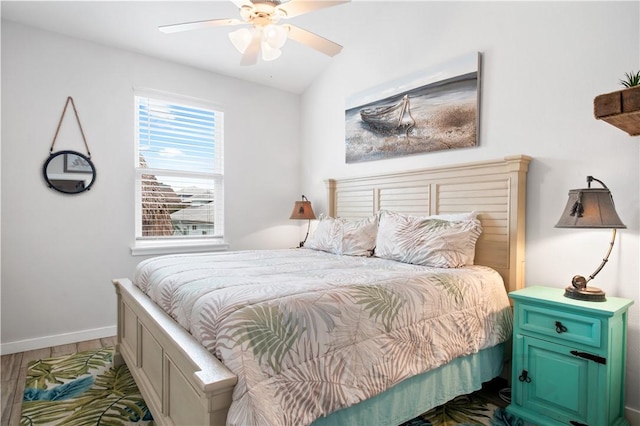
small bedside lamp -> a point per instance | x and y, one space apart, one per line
302 210
590 208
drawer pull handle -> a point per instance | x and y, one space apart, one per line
590 357
524 376
560 328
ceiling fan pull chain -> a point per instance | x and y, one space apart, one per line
70 100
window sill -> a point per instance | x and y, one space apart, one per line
155 247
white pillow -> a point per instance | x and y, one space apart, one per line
327 236
471 253
359 236
340 236
426 240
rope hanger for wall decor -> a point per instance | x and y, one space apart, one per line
70 100
69 172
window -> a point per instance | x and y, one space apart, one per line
179 170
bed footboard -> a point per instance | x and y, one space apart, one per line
181 382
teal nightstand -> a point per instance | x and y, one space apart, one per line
568 358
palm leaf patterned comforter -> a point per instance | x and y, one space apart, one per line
309 332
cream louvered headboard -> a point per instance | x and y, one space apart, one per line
496 189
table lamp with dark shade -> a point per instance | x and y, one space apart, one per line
302 210
590 208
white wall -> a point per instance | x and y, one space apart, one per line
544 62
60 252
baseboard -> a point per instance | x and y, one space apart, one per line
59 339
633 416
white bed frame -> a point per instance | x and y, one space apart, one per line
183 384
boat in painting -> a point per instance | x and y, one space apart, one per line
390 117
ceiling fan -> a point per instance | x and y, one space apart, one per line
265 34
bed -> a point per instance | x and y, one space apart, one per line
184 383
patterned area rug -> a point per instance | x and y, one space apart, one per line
82 389
466 410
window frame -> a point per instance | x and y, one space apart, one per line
145 245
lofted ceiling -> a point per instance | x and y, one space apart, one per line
133 26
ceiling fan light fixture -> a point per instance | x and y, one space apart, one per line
241 39
274 35
265 33
278 14
269 53
245 12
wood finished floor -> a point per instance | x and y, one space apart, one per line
13 371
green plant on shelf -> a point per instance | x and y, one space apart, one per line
631 79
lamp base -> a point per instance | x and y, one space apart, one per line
589 294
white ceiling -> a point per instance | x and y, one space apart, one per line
133 26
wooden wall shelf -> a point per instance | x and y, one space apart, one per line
620 109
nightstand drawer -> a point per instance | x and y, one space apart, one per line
560 326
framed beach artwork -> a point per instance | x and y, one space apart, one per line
431 110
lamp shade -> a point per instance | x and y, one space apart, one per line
241 39
590 208
270 53
272 38
274 35
302 210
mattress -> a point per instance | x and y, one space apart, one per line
308 332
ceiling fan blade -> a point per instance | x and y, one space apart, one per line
250 56
298 7
314 41
188 26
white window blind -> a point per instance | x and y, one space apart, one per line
179 169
